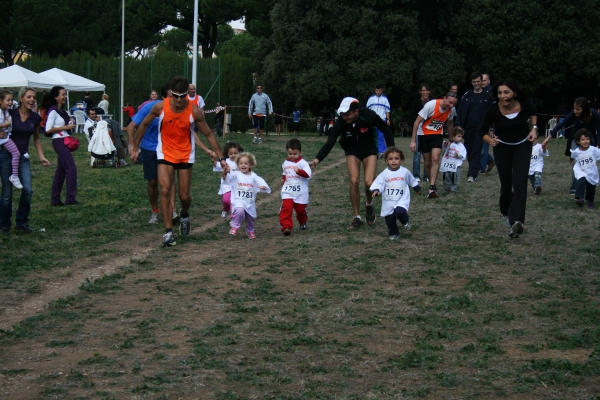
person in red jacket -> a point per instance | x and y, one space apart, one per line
130 112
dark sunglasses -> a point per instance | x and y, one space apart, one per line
178 95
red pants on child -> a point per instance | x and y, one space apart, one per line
285 214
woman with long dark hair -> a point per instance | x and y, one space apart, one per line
515 119
60 125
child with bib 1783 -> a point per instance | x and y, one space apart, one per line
393 184
294 191
584 160
245 184
453 158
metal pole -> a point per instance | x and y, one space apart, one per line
195 44
122 60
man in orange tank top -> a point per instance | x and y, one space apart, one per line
175 150
429 126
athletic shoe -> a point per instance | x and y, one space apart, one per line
14 179
579 202
490 167
572 192
431 193
379 155
447 190
175 218
591 205
255 140
537 189
26 229
427 179
407 226
260 140
470 179
122 163
476 177
185 227
251 235
356 223
286 232
169 240
154 218
516 230
370 215
394 237
506 221
233 231
303 227
223 214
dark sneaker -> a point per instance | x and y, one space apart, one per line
185 227
23 229
356 223
537 189
579 202
286 232
370 215
516 230
303 227
490 167
169 240
431 193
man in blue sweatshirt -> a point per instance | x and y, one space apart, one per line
260 104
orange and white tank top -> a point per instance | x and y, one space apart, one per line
176 135
434 124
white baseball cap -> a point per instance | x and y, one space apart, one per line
348 104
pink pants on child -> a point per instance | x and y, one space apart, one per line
11 147
226 201
236 219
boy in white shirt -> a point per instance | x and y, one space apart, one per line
393 185
453 158
536 166
294 191
584 159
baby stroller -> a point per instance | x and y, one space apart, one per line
102 147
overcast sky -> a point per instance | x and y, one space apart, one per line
239 24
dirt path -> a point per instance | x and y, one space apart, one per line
65 282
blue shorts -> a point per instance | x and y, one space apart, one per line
149 163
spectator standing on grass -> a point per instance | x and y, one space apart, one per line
379 103
260 105
358 138
25 124
195 98
104 103
428 127
60 126
153 97
294 191
424 97
582 116
278 117
325 120
513 113
130 111
296 118
89 103
473 107
176 151
219 119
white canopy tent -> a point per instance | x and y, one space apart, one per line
16 77
73 82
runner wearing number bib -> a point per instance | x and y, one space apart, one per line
536 166
453 158
585 168
245 184
294 189
393 185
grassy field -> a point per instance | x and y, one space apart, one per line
455 309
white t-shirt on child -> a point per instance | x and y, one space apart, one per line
394 187
585 164
243 190
295 186
537 159
224 188
449 162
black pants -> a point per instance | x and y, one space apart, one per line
390 220
473 144
512 163
324 128
585 189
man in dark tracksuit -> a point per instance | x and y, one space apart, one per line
357 128
473 107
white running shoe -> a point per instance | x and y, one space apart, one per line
254 140
14 179
154 218
223 214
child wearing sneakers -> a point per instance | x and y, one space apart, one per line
584 159
231 150
536 165
392 184
6 102
453 158
244 186
294 191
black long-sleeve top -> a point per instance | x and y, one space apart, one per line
593 125
360 136
509 130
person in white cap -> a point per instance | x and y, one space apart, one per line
357 129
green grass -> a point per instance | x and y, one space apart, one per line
454 309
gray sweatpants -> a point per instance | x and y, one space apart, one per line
451 180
